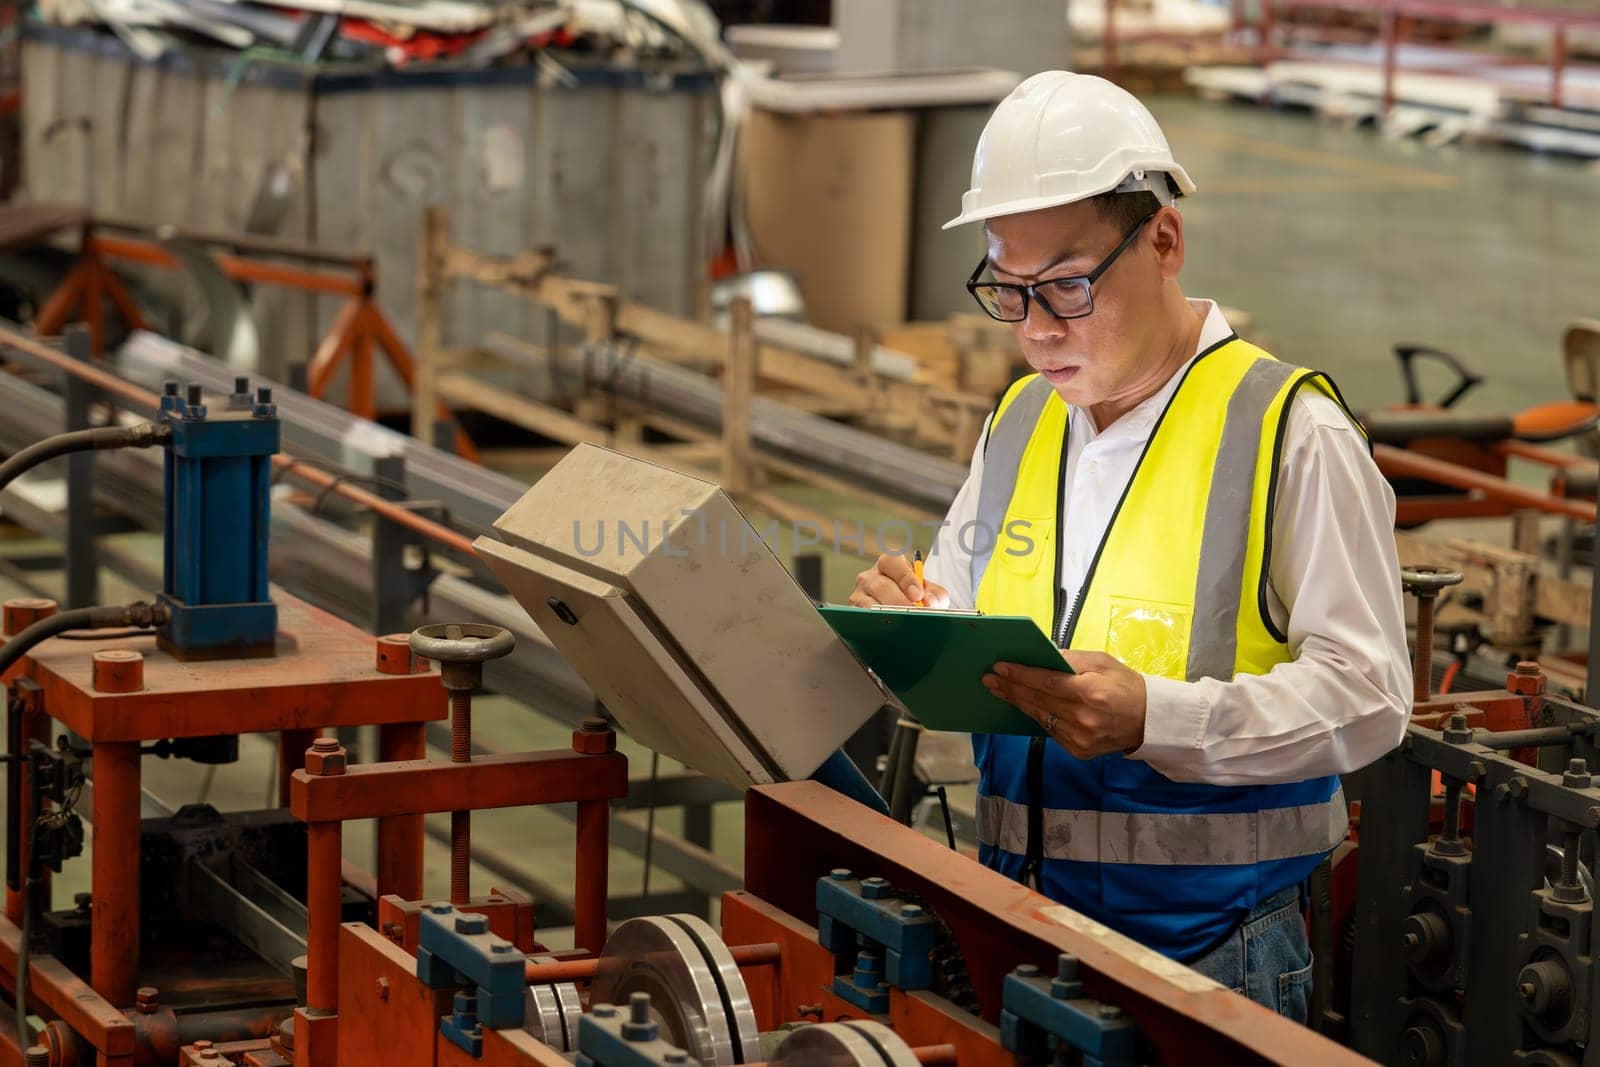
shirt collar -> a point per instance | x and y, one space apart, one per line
1138 423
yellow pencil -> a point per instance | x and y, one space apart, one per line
916 568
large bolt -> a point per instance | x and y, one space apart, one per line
639 1025
1568 889
1425 583
22 612
1457 732
326 756
118 670
1449 842
1528 680
594 737
37 1056
875 888
1577 775
394 656
1027 970
194 408
147 999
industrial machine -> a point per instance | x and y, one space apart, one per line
1450 934
246 938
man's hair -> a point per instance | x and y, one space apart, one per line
1124 210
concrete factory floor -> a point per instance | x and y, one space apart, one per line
1342 244
1339 243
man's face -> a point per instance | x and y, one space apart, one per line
1104 355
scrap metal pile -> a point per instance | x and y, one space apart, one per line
397 33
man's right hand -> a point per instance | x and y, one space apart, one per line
892 581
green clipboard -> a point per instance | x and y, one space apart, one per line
935 660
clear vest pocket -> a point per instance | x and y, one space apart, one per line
1150 636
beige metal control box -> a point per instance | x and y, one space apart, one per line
655 588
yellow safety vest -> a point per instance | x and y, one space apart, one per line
1177 588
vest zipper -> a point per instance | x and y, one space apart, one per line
1033 857
1065 622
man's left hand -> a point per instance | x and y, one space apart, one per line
1097 710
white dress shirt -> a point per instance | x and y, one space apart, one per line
1333 588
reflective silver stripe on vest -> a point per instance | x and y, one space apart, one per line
1169 839
1002 459
1214 634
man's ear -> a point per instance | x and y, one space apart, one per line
1167 231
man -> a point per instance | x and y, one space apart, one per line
1204 533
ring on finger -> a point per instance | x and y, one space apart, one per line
1050 725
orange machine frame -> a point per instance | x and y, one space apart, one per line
359 327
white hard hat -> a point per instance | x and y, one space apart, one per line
1062 137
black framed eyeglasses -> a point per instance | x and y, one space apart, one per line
1066 298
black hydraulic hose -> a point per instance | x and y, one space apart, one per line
103 617
144 435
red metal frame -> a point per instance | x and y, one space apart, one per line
327 792
314 682
1396 18
1489 495
797 831
359 328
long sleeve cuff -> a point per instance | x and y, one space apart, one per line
1175 717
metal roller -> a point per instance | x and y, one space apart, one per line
858 1043
697 995
553 1012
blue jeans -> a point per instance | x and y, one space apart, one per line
1267 958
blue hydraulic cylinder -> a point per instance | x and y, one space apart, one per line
218 484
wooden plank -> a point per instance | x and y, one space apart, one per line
814 403
1514 592
430 290
766 461
830 484
462 391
